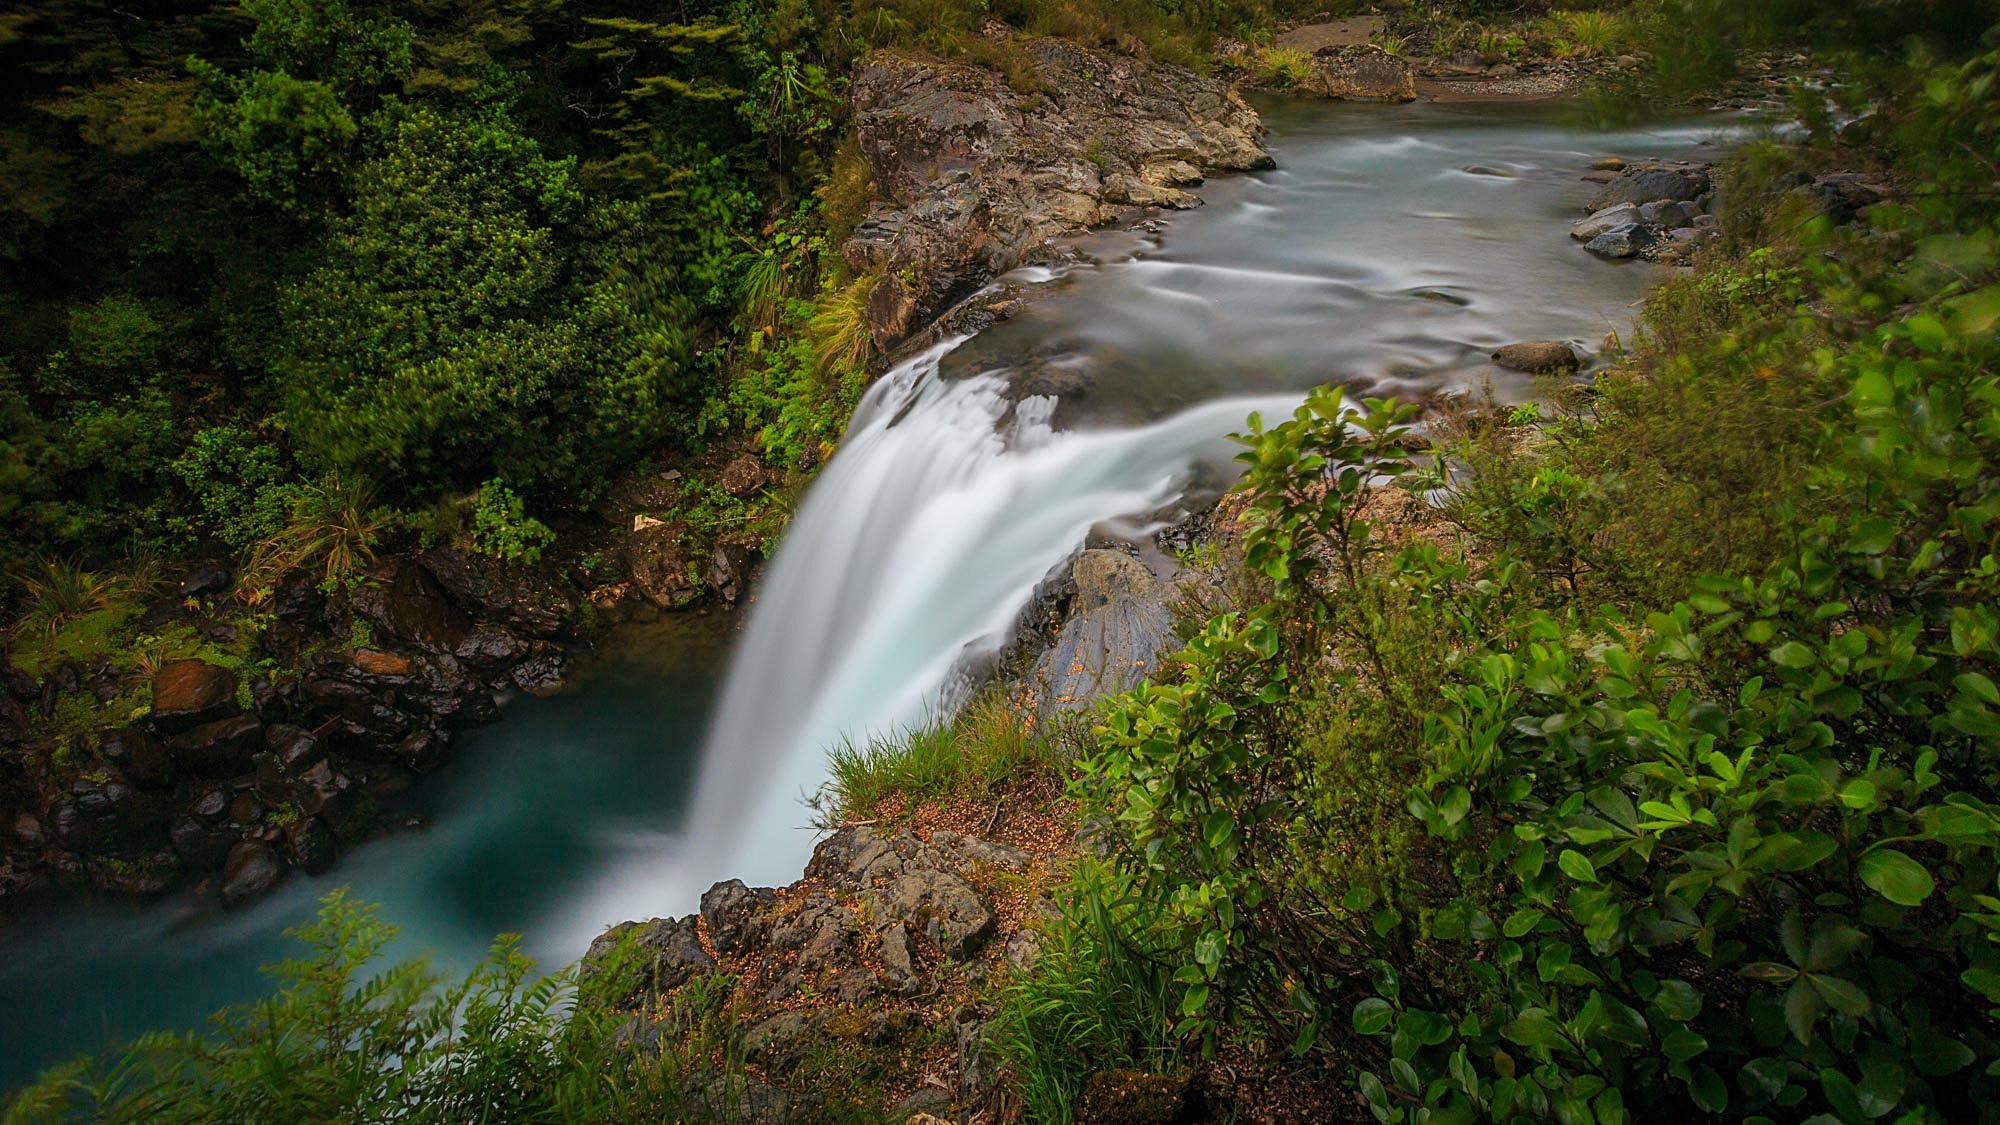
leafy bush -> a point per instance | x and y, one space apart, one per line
501 526
1701 845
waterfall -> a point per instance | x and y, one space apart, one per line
909 559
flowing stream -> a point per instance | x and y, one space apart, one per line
1370 257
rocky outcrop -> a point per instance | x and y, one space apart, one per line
240 783
860 949
979 178
1118 626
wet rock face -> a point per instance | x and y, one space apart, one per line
253 868
188 693
139 755
659 565
219 749
411 606
979 177
532 601
1119 626
103 812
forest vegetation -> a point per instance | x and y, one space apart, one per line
1662 786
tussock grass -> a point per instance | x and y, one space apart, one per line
1097 998
984 749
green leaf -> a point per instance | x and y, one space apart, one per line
1985 982
1896 877
1937 1054
1216 830
1374 1094
1677 1000
1372 1016
1532 1029
1792 654
1521 922
1682 1044
1577 866
1841 995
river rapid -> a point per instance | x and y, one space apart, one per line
680 753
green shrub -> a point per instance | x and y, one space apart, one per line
502 527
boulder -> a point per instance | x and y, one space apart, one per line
424 751
201 846
728 573
491 648
1666 214
1601 222
1120 624
743 477
978 1062
365 716
323 791
188 693
295 748
252 869
1844 195
664 954
1652 181
137 755
737 917
408 604
205 580
1362 73
102 812
940 905
1622 242
219 749
659 565
1537 356
296 599
311 846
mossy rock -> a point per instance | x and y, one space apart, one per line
1132 1097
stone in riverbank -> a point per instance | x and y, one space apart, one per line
1537 357
980 178
1653 181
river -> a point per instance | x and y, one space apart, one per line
1370 256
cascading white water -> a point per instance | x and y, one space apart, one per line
912 554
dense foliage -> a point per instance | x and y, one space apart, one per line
1600 816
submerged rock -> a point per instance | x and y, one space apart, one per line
1537 356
